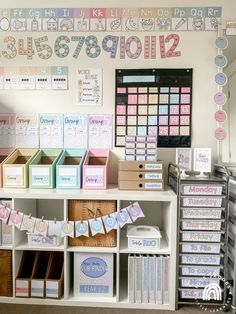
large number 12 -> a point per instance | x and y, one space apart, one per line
171 51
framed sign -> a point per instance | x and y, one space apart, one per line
202 159
184 158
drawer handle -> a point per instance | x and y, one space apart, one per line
140 166
140 176
140 185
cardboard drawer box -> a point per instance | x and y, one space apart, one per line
4 153
42 169
16 168
95 169
93 274
145 185
39 274
125 165
55 276
23 278
69 169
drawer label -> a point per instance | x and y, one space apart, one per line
151 185
153 176
14 175
40 176
153 167
202 201
67 176
203 189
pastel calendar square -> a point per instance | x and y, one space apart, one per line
174 99
163 109
164 89
132 109
121 120
152 130
185 99
153 89
142 120
163 99
142 99
132 130
186 90
174 109
142 109
132 99
174 89
120 140
153 98
185 109
152 109
163 120
132 120
142 130
185 120
174 120
121 109
152 120
121 130
121 90
132 90
142 90
185 130
174 130
163 131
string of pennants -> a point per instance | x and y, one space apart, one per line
41 226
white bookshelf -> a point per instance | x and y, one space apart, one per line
160 208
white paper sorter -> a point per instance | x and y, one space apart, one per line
144 237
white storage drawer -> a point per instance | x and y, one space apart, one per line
201 201
198 282
199 236
208 213
191 293
200 259
201 225
211 248
232 209
201 189
212 271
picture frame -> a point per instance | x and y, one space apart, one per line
202 160
184 158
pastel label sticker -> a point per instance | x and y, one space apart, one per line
132 90
185 120
142 99
121 90
221 79
120 130
132 110
152 120
174 131
163 131
130 157
174 109
141 139
151 151
129 145
164 89
220 98
140 151
130 139
121 109
152 130
153 166
163 109
141 145
131 130
142 130
184 130
121 120
142 120
153 89
185 99
164 99
220 116
220 134
151 145
142 109
174 99
132 120
163 120
220 61
142 89
174 89
153 176
185 90
151 139
153 99
130 151
132 99
221 42
185 109
152 109
174 120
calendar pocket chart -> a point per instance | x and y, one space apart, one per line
154 102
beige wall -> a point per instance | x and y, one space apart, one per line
198 52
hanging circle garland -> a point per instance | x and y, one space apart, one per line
220 98
221 61
221 79
220 134
221 42
220 116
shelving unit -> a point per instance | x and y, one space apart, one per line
203 234
160 208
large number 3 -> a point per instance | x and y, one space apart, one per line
10 41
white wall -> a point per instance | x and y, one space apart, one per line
198 52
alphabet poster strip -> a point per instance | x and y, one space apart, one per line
89 84
110 19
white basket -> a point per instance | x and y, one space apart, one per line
202 189
200 259
201 225
212 271
198 282
211 248
211 213
201 201
198 236
144 237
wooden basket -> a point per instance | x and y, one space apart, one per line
86 209
5 273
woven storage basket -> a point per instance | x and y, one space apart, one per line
86 209
6 273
